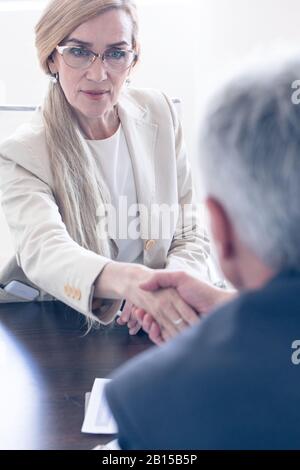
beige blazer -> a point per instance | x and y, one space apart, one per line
46 257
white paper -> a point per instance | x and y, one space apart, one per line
98 417
112 445
86 402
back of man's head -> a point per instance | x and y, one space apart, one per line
250 160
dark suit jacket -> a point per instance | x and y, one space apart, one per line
228 383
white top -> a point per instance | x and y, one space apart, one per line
113 158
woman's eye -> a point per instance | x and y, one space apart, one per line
115 55
78 52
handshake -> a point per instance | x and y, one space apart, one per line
161 302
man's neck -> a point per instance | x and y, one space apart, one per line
255 274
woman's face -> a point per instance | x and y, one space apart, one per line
92 92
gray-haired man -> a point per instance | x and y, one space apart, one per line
230 382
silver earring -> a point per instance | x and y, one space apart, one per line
128 81
54 78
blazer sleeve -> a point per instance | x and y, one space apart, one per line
49 257
190 248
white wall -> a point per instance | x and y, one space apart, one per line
187 48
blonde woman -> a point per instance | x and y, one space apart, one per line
94 141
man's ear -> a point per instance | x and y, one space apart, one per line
222 230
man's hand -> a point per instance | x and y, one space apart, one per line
122 280
202 297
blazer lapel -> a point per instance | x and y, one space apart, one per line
141 138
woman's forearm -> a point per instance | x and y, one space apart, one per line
117 278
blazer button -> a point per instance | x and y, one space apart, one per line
77 294
73 292
67 290
150 244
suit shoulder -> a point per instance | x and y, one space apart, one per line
145 95
27 139
156 102
27 148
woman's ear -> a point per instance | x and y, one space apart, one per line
51 65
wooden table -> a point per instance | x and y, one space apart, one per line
47 365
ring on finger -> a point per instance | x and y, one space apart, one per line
177 322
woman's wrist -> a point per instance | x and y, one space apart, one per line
115 280
107 284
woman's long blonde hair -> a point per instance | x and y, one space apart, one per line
77 191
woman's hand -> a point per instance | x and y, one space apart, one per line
150 326
128 318
122 280
136 318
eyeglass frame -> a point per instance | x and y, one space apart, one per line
60 50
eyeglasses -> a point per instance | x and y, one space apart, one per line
116 60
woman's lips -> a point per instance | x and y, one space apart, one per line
95 95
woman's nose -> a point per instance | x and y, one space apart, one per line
97 71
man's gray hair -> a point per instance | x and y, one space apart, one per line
250 160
